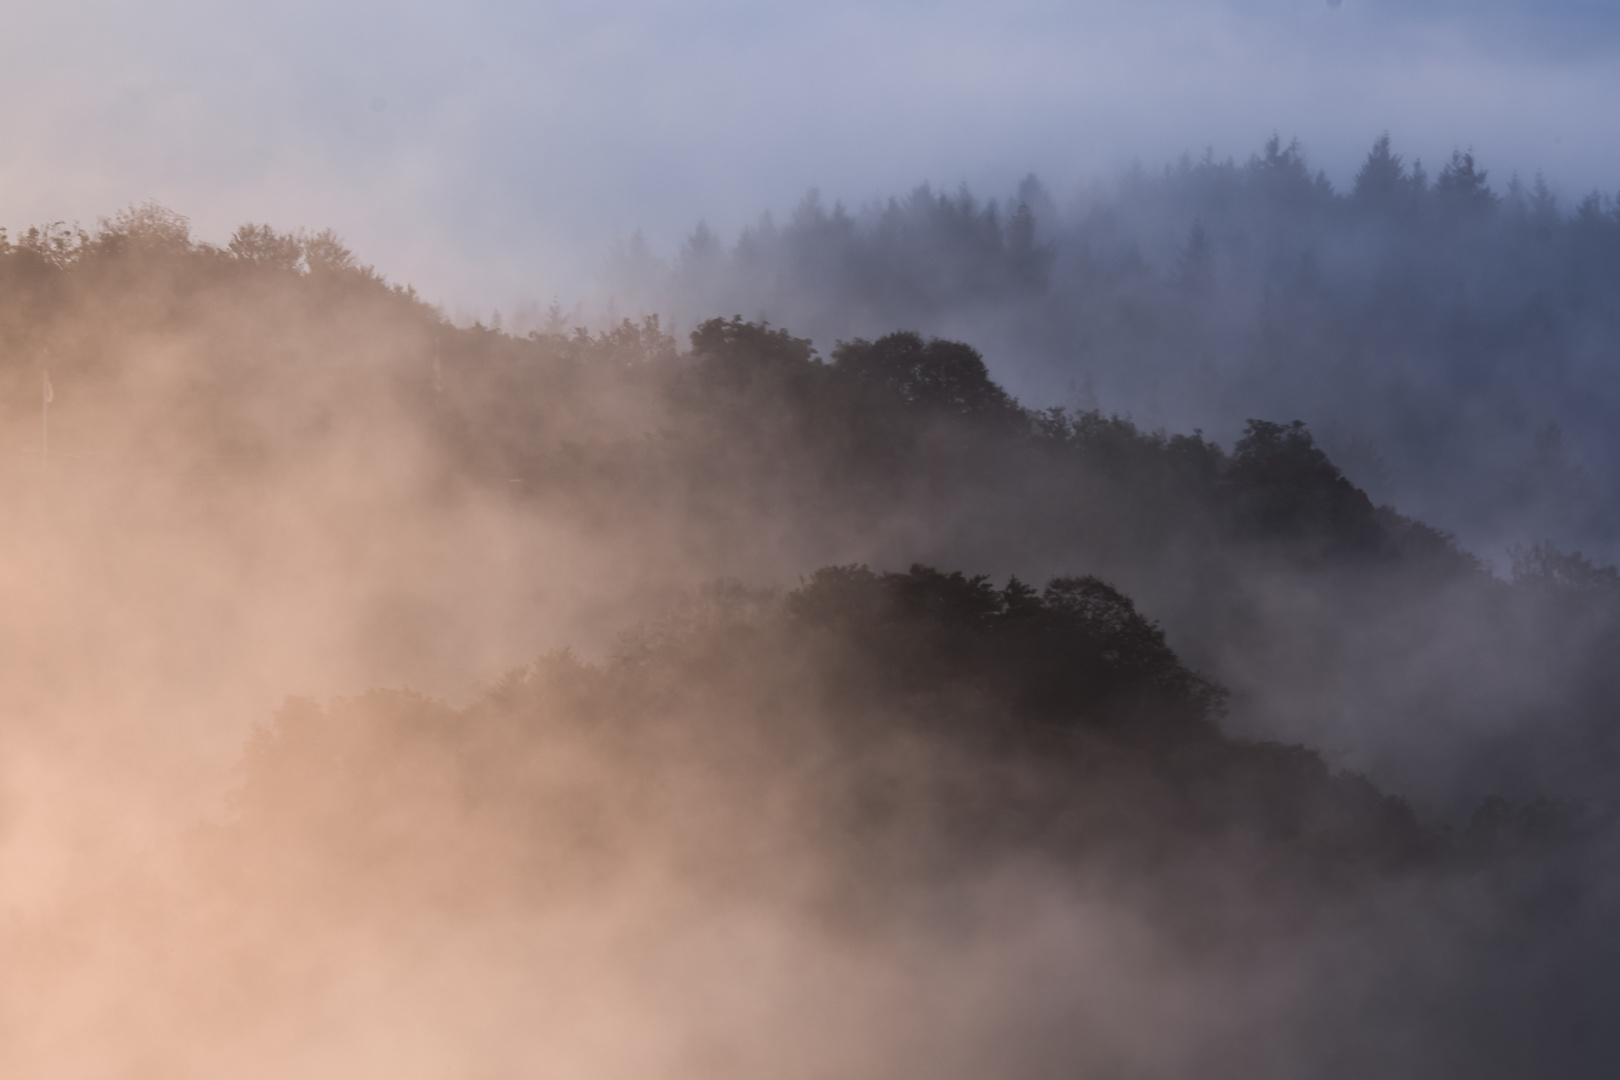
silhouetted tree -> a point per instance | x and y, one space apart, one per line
935 375
1461 185
1381 183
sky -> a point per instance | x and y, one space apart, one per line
491 152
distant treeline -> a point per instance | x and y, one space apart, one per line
1450 339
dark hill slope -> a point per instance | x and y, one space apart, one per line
281 365
921 756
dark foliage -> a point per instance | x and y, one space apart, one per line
1076 654
1055 722
874 745
1428 328
1287 488
750 455
938 376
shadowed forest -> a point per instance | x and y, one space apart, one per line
716 706
1449 335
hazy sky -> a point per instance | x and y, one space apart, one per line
490 151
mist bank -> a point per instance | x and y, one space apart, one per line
1448 335
878 823
803 820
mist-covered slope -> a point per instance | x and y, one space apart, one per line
432 488
883 823
1450 335
1265 766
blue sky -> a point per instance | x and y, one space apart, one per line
489 152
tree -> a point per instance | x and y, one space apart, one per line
933 375
148 227
736 341
1462 186
264 246
1195 268
1280 175
1030 263
1078 654
1286 488
325 254
1381 184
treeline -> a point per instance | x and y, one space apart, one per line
1449 337
1333 620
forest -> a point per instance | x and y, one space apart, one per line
1447 335
813 705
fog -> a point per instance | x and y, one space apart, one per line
439 639
1440 326
1440 331
384 697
